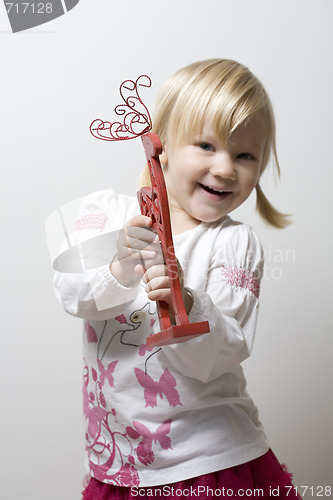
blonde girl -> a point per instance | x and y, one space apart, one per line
177 421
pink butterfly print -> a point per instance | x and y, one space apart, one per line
144 449
91 333
121 318
106 373
94 415
126 476
143 349
166 386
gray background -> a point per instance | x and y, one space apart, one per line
57 78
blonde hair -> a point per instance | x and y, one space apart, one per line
225 93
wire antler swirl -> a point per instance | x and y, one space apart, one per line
136 119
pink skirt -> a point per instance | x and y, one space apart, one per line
263 477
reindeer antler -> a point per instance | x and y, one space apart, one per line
136 119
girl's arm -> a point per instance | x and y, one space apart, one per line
95 293
230 304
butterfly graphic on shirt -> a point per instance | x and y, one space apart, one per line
165 386
91 333
106 373
160 436
94 415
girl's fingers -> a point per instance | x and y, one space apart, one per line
144 234
140 228
132 243
155 271
138 239
161 294
138 244
140 221
159 283
140 249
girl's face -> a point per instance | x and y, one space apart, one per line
206 179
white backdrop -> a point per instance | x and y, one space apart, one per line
55 79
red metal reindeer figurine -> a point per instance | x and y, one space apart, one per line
154 204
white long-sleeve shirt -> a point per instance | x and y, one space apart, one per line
160 415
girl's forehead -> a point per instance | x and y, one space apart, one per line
252 127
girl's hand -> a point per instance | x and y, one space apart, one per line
137 244
158 285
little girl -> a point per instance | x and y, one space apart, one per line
177 421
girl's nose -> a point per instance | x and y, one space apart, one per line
224 166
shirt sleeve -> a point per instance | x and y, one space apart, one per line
83 281
230 304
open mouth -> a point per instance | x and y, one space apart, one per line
217 192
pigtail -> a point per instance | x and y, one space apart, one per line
269 213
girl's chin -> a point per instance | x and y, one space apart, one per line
208 217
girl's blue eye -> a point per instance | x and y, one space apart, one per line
206 146
245 156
